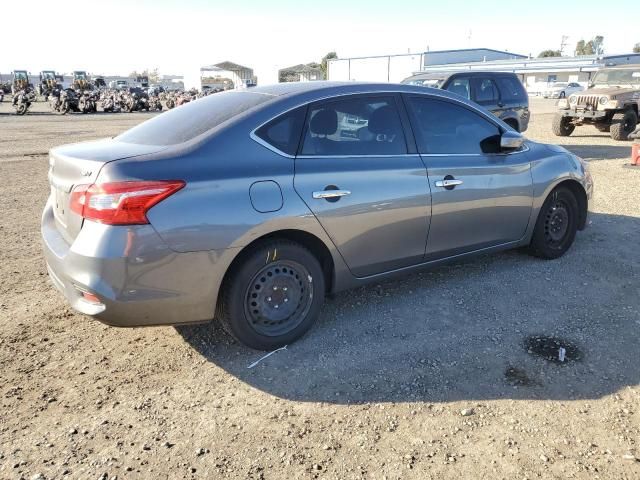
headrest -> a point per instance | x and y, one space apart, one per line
383 121
324 122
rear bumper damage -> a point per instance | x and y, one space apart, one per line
127 276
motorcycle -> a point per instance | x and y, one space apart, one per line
63 101
135 101
110 102
22 100
87 102
155 103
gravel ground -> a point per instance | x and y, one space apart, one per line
436 375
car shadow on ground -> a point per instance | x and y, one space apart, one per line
467 331
600 152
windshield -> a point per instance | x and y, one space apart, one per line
187 121
617 77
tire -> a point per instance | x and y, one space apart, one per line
513 124
604 128
22 109
556 226
623 124
562 126
562 95
266 304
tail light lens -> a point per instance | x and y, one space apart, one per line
121 203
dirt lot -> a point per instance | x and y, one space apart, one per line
432 376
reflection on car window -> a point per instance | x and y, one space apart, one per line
486 91
460 86
187 122
511 89
443 127
355 126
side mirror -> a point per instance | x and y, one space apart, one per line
511 140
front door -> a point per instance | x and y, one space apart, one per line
481 197
370 194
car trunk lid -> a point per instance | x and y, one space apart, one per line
80 164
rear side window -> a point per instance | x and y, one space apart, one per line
511 89
460 86
443 127
186 122
486 91
283 132
354 126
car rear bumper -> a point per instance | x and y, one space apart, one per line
137 279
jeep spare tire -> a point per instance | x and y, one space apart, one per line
623 124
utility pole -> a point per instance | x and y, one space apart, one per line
563 43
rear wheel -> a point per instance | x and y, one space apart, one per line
623 124
556 226
273 295
562 126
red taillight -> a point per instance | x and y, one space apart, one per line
121 203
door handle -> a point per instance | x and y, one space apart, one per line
331 194
448 183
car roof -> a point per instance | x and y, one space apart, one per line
444 75
324 89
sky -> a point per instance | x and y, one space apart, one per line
115 37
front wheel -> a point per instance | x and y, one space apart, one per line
562 126
623 124
22 109
273 295
556 226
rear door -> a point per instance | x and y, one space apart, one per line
484 91
359 176
480 196
514 99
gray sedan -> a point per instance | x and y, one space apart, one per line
249 206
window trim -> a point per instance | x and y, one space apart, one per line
402 95
491 119
350 96
254 133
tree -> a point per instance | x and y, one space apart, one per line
597 45
550 53
323 63
592 47
636 48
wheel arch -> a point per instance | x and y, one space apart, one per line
308 240
581 197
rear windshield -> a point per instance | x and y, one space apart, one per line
187 121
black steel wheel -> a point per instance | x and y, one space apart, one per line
278 298
556 226
272 294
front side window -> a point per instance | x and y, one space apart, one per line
486 91
443 127
460 86
354 126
